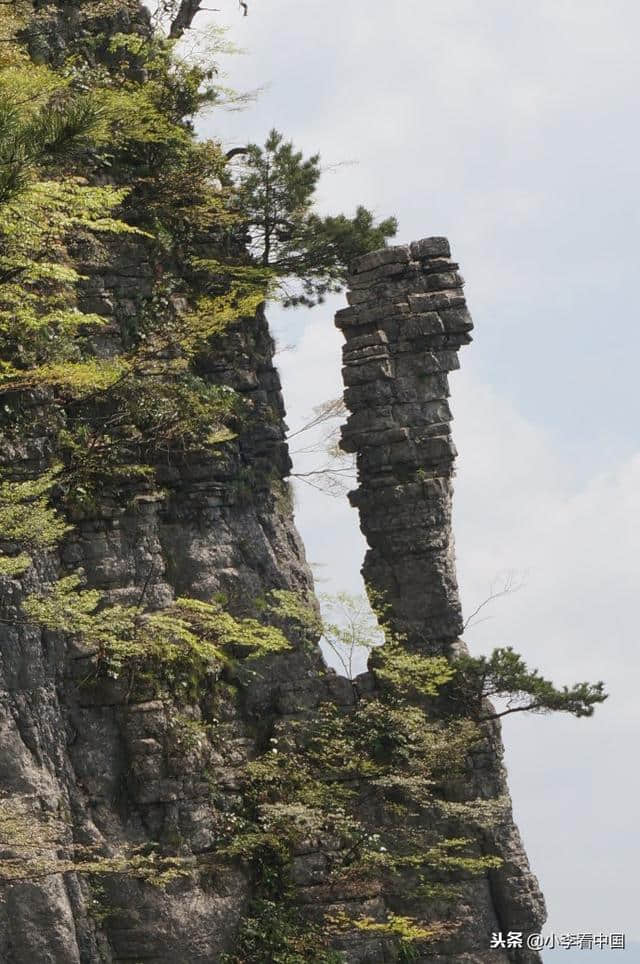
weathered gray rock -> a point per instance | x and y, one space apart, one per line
110 770
397 356
430 248
113 771
395 254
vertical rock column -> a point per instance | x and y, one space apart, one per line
406 321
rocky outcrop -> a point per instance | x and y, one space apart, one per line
95 767
116 773
406 322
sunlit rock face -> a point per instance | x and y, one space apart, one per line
97 766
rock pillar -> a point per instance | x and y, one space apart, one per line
406 321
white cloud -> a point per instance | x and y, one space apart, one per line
518 506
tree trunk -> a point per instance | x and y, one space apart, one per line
184 17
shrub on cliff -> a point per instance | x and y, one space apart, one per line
276 193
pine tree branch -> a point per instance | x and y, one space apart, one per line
535 705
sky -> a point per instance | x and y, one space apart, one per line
511 128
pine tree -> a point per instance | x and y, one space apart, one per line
309 254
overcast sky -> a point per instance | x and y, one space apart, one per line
512 128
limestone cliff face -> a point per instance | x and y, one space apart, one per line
90 763
92 766
406 322
114 772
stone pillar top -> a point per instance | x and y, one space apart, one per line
401 254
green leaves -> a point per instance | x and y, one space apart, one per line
408 672
467 681
59 131
67 609
310 254
40 123
276 933
177 647
248 636
40 322
506 676
27 520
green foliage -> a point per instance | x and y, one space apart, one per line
349 626
77 379
103 146
138 415
313 782
39 320
406 671
147 95
275 196
291 607
267 852
171 650
212 316
273 934
376 777
26 517
44 126
40 121
297 616
468 681
189 735
39 844
248 636
505 675
404 928
11 566
67 609
126 117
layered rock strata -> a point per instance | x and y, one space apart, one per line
88 763
407 318
94 765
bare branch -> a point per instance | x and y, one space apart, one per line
510 585
302 475
514 709
281 349
329 482
333 408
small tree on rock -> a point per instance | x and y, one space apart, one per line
276 193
